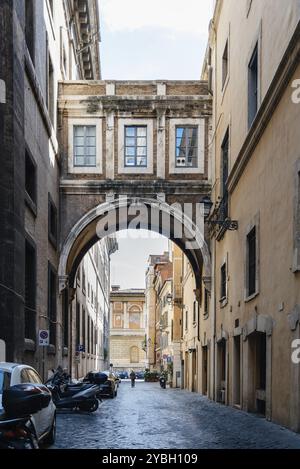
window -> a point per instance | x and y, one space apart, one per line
195 312
223 282
89 334
78 324
224 175
50 89
135 146
251 249
206 302
52 221
84 145
186 320
4 380
253 86
33 377
30 177
186 146
52 303
30 290
24 376
225 64
29 27
83 281
134 319
84 328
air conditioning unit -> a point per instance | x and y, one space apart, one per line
180 162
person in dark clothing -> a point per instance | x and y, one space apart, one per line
132 377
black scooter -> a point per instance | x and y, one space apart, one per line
78 396
18 433
162 382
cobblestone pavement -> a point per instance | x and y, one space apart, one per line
150 417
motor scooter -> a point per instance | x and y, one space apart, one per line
82 397
163 382
17 433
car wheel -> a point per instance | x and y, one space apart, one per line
50 438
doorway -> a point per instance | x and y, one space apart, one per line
258 372
204 370
221 371
237 371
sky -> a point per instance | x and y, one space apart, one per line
153 39
128 264
149 40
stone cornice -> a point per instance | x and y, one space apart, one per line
128 186
285 71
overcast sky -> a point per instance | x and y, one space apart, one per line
153 39
148 40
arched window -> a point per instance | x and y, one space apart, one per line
134 354
134 317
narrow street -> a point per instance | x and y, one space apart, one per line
150 417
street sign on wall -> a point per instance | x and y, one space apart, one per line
43 337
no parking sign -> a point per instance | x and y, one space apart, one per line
43 337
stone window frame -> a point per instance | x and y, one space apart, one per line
254 223
296 226
127 122
195 122
85 169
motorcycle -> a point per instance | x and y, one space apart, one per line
75 396
162 382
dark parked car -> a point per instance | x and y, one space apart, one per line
123 374
140 375
107 383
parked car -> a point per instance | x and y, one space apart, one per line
113 375
106 382
123 375
140 375
117 378
43 421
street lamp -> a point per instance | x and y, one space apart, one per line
226 223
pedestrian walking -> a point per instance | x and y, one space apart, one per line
132 377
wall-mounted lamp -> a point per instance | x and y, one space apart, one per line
223 221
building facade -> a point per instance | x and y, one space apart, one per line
90 312
127 329
252 65
41 42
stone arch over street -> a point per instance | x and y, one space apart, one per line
146 213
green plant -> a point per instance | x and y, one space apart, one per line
170 369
